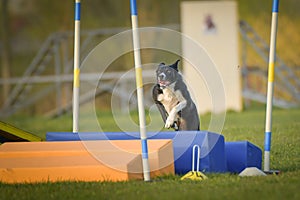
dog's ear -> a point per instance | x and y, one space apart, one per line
175 65
161 64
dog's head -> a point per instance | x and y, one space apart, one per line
167 74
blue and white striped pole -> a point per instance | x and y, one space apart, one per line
139 86
76 79
270 89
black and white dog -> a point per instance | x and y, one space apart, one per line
173 99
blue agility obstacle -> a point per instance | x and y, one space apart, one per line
212 158
216 154
242 154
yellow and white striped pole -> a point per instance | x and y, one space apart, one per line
139 87
76 78
270 89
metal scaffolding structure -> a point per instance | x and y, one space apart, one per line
51 71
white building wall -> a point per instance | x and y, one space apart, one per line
214 26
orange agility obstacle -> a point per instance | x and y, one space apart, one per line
117 160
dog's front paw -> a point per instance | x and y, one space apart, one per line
169 121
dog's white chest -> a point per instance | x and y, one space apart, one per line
168 98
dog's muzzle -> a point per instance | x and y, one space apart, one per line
163 83
162 76
161 80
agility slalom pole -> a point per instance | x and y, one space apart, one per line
270 89
139 87
76 78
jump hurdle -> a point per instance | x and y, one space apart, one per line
213 157
217 156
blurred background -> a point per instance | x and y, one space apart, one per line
37 43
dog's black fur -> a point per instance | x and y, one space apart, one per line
173 99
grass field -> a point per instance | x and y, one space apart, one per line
248 125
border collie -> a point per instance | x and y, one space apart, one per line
173 99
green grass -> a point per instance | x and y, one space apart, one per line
248 125
224 186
